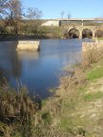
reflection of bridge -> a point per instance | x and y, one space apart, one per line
78 25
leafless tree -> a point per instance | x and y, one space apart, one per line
11 11
14 14
14 9
69 15
33 13
4 4
62 14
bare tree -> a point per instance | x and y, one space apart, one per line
11 12
4 4
68 15
14 14
33 13
14 9
62 14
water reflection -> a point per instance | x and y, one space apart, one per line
38 71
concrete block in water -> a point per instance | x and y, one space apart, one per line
28 45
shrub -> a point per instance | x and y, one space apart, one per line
91 56
17 110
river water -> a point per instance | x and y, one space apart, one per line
38 71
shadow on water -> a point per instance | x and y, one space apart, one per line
38 71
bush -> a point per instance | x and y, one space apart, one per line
91 55
17 110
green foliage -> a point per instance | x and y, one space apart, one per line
44 102
46 117
95 73
32 28
100 38
93 96
73 125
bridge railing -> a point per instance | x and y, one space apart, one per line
81 22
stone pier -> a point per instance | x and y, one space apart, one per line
28 45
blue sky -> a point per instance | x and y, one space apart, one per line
77 8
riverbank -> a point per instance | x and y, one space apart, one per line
76 108
28 37
35 33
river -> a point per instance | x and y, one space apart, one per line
38 71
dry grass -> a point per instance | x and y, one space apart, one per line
91 55
62 108
54 108
59 116
16 105
17 110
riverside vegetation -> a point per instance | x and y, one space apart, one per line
30 29
75 110
15 23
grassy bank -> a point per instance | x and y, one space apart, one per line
75 110
100 38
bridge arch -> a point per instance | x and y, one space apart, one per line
87 33
73 33
99 33
80 32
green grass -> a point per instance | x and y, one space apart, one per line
44 101
95 73
73 125
101 38
93 96
46 117
66 124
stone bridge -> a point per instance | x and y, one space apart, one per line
81 29
81 26
78 25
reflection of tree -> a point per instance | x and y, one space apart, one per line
3 77
10 64
17 57
16 65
